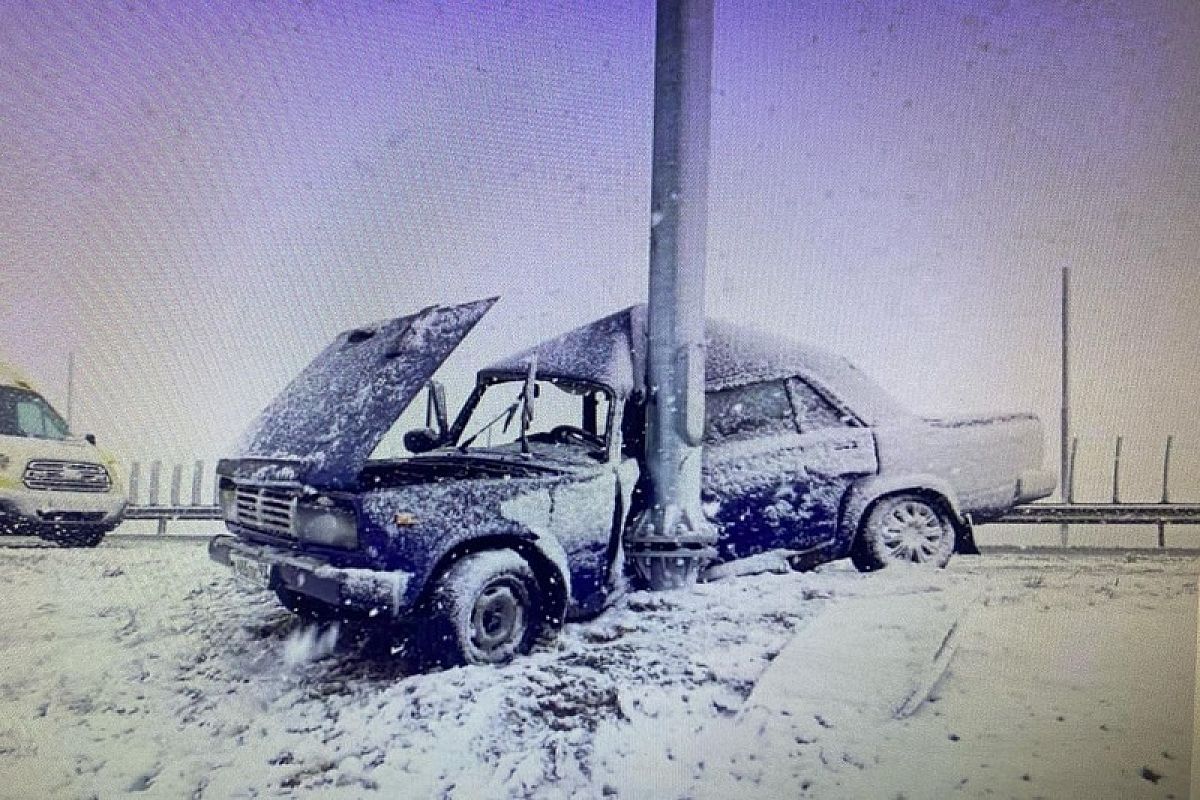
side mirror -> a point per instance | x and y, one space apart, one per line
90 438
422 440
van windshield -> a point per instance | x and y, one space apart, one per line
25 413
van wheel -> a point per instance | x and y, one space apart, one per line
74 536
485 609
904 529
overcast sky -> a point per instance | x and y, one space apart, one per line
198 196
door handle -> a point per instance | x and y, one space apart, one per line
845 446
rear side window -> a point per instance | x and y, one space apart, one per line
746 411
813 410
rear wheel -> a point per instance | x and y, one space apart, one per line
485 609
904 529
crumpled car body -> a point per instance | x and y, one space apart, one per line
800 450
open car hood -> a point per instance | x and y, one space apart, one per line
329 419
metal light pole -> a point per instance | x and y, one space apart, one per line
670 541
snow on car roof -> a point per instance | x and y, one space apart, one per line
610 352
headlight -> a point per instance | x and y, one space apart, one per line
326 524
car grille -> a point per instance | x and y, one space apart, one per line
262 509
67 476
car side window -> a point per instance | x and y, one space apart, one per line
745 411
813 410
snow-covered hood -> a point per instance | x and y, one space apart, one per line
321 429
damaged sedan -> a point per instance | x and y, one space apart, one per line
494 528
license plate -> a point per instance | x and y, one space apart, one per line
251 572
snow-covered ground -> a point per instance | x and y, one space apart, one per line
140 668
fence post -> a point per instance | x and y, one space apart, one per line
155 479
1117 472
1166 490
197 479
135 478
155 473
1071 470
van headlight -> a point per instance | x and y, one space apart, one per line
326 524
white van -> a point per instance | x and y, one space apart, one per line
52 484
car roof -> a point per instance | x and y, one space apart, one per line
610 352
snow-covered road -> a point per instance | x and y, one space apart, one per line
140 668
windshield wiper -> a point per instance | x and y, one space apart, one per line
506 415
523 403
528 392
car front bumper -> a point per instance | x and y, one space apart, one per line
371 593
28 507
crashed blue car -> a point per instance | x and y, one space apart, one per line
489 531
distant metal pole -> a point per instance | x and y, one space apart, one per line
1070 487
70 388
670 540
1064 428
1117 472
1166 484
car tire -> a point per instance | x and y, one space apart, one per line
74 535
486 608
904 529
304 606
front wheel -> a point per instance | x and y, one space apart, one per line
74 535
485 609
904 529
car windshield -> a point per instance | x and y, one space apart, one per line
25 413
558 414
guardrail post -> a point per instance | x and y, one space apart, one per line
1069 487
1117 472
1166 490
135 478
176 485
197 480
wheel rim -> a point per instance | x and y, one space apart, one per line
912 531
498 619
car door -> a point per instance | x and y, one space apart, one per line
778 458
835 449
753 482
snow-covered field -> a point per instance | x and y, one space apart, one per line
140 668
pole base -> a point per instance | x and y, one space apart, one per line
668 547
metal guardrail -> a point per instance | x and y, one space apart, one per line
1160 514
165 514
1117 512
1105 514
